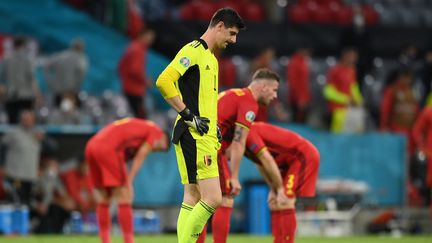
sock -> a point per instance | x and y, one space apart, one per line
126 222
104 222
203 235
276 225
221 224
198 217
288 225
185 211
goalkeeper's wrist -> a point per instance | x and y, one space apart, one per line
186 114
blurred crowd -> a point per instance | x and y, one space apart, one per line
352 91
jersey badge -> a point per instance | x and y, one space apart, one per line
185 62
207 67
250 116
207 160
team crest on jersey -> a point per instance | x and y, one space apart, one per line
207 160
250 116
185 62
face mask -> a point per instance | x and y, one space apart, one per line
66 105
52 172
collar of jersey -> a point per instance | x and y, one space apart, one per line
203 43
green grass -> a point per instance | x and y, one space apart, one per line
232 239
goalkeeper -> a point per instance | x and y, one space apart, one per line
190 85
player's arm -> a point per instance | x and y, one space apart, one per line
271 170
165 84
138 160
236 154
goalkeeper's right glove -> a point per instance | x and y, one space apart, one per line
200 124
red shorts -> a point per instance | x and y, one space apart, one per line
224 174
107 166
300 171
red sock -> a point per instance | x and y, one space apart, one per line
288 225
221 224
104 222
276 225
126 222
203 235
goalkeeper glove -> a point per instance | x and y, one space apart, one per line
200 124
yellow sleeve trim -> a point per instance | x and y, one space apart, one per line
242 125
332 94
166 80
355 92
261 151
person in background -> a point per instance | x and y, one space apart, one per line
66 71
132 72
426 78
18 81
22 147
106 154
342 90
399 107
50 203
422 135
299 96
79 186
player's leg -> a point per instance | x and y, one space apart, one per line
283 217
221 218
123 195
101 193
102 197
191 197
206 176
338 120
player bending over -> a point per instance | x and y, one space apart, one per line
298 162
106 154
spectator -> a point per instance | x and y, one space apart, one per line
17 76
132 72
299 96
227 71
65 71
67 113
341 90
50 206
79 186
23 147
399 107
263 60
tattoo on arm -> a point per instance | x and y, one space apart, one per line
238 134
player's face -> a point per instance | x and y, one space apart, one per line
268 92
226 36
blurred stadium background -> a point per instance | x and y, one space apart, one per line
369 182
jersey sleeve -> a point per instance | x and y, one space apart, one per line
246 112
154 135
254 142
185 58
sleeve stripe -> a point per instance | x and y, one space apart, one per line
261 151
242 125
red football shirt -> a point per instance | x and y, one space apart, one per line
235 107
298 80
132 69
128 134
341 77
277 140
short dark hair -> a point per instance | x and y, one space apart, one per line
19 41
229 17
265 73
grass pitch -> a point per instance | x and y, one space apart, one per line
232 239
